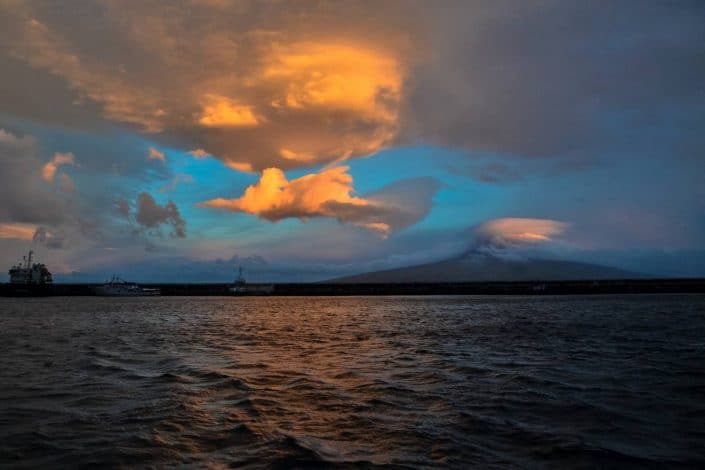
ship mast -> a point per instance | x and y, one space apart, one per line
28 263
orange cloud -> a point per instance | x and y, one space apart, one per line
325 194
199 154
50 168
220 111
155 154
297 156
509 232
253 90
243 167
18 231
337 76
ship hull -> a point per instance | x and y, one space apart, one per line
109 292
26 290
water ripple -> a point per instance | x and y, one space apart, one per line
355 382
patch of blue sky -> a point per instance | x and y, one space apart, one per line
462 199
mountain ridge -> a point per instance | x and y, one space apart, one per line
480 267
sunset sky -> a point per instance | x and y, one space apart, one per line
174 140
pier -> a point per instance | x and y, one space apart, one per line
622 286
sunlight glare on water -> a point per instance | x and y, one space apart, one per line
327 381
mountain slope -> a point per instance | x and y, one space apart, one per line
482 267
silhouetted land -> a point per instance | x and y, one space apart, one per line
622 286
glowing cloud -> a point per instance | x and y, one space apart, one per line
337 76
325 194
242 167
17 231
220 111
255 93
155 154
273 197
50 168
199 154
516 232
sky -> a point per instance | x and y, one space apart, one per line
175 140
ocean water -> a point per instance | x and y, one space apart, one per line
319 382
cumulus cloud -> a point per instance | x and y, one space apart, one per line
25 196
326 194
155 154
151 215
244 81
507 233
221 111
255 88
49 169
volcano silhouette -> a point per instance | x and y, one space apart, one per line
478 266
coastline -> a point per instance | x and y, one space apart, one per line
617 286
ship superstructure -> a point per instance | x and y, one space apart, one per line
240 285
31 273
116 287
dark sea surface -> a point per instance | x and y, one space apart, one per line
486 382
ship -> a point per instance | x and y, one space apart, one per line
117 287
28 273
28 278
240 285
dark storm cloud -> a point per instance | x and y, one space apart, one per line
151 215
258 89
25 196
553 77
240 80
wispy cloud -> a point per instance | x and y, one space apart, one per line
155 154
17 231
199 153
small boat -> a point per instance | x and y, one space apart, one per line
240 285
117 287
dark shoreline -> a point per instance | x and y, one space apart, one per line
621 286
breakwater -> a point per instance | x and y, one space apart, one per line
622 286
